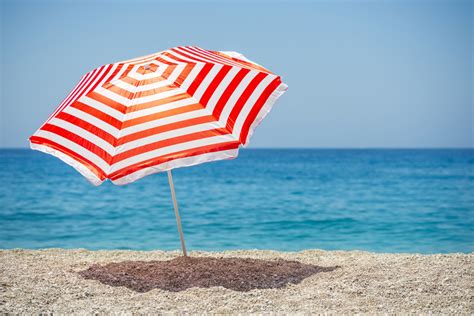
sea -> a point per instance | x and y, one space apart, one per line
380 200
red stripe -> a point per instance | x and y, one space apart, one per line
173 156
164 61
243 99
80 159
127 71
169 70
107 101
257 107
98 114
93 148
199 78
88 127
163 114
228 92
214 84
184 74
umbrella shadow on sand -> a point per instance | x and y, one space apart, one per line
181 273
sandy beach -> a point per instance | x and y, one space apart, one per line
41 281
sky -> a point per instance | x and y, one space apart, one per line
361 74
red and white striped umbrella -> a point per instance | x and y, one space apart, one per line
175 108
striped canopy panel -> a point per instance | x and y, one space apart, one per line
175 108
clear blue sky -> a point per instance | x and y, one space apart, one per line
360 73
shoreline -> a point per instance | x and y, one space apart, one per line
48 280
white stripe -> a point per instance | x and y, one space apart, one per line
124 85
92 120
171 149
84 134
98 161
177 163
250 104
102 107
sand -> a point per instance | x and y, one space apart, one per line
44 281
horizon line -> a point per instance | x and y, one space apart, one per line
314 148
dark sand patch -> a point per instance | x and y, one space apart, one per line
239 274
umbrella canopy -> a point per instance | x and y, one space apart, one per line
174 108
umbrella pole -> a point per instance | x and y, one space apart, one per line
176 212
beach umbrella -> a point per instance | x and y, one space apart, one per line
175 108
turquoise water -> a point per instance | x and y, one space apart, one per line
376 200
